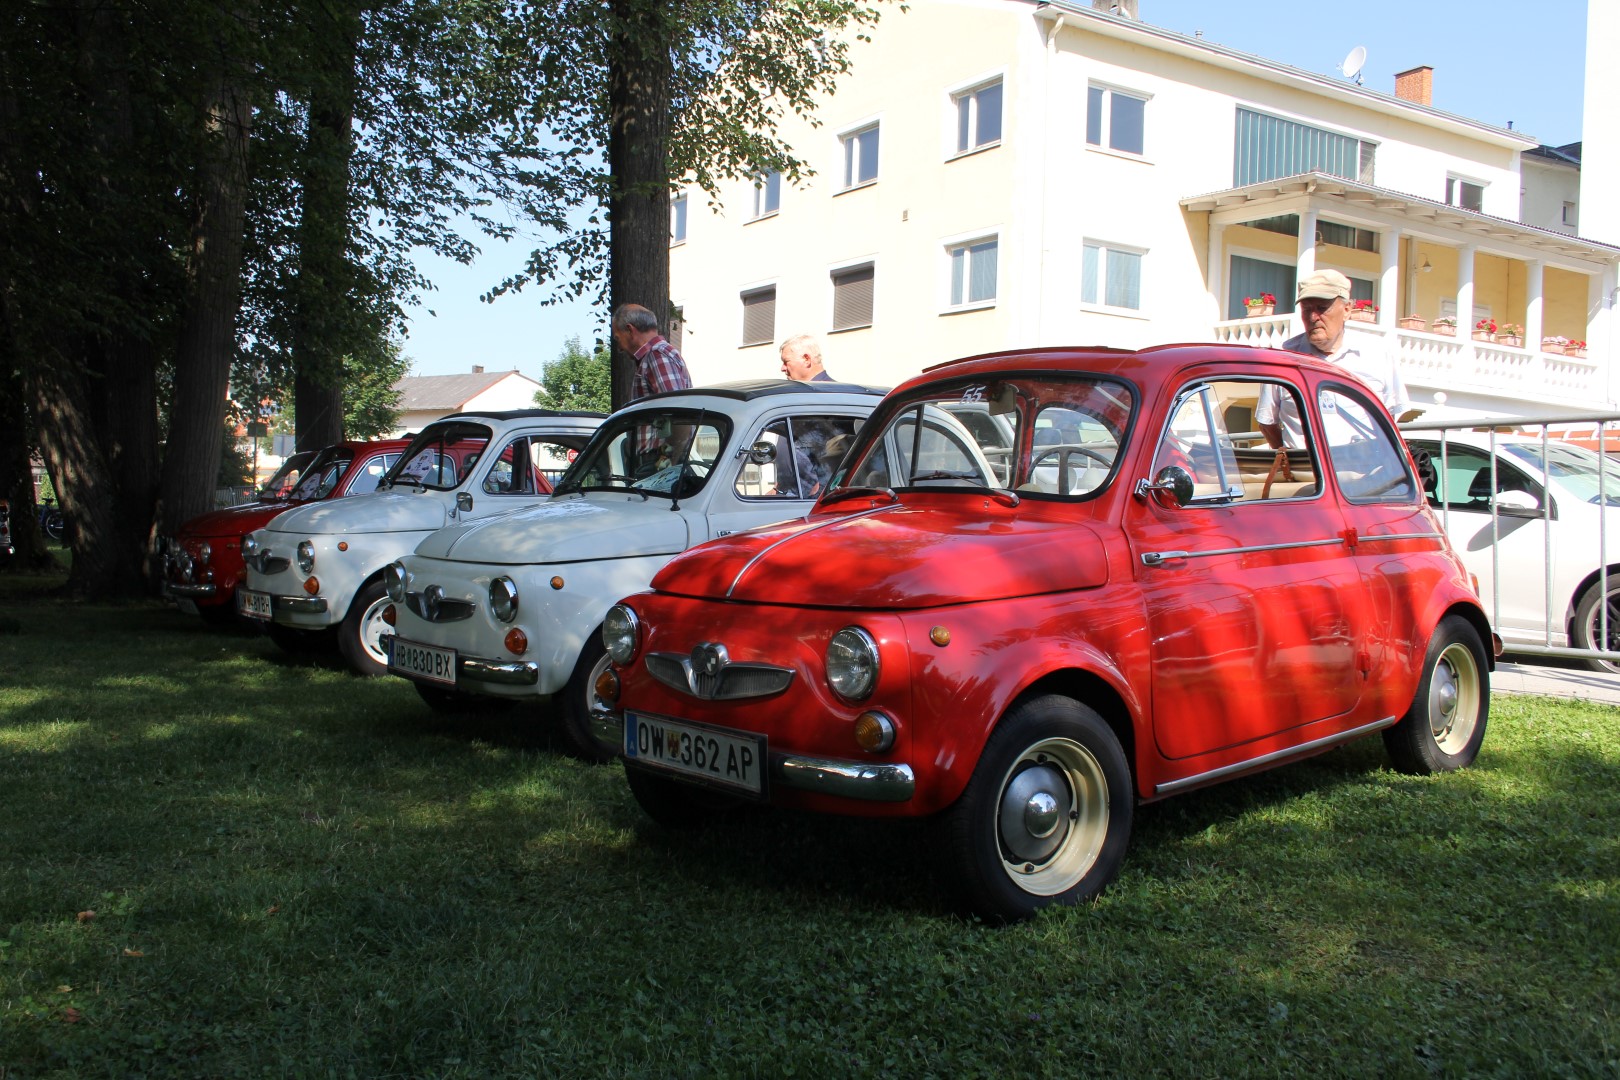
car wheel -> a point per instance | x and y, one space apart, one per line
360 637
1446 723
675 805
579 700
1046 817
1589 616
442 700
298 642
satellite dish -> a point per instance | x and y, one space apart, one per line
1352 63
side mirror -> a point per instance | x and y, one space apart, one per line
464 501
1516 500
762 452
1173 481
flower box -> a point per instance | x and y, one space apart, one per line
1261 305
1256 311
1509 339
1484 335
1363 315
1413 322
1553 346
1572 351
1445 327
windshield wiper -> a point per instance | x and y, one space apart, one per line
947 474
856 492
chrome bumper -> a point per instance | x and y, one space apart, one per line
298 605
864 780
506 673
190 592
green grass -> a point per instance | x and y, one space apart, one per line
294 872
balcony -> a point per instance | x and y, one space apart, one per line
1456 366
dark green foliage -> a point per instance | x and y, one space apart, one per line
577 380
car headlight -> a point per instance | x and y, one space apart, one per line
396 580
852 663
250 546
620 629
306 556
503 598
204 551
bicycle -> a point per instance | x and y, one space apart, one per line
52 522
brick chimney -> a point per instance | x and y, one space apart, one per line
1126 8
478 369
1416 85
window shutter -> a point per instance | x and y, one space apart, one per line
759 316
852 298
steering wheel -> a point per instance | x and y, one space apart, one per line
1065 452
692 477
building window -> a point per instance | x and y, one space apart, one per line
1569 214
860 156
978 117
677 219
677 327
1111 277
1267 147
768 194
852 297
759 316
1115 119
1464 194
973 273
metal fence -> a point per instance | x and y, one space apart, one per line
1540 441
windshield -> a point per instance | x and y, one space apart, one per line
1043 434
440 457
1578 470
668 452
279 487
323 475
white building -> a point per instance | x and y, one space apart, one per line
1002 173
425 398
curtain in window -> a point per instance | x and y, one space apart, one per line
989 118
759 317
982 282
852 298
1124 286
1267 147
1251 277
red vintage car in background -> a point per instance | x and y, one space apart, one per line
202 563
1084 582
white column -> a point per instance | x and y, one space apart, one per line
1217 269
1465 291
1600 344
1389 283
1533 317
1305 263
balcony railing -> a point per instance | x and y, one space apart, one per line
1453 363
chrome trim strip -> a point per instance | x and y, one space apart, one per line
190 592
1275 756
515 673
794 536
299 605
1362 538
1154 558
871 781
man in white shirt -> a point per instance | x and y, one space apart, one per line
1323 304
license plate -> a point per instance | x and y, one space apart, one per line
731 759
255 605
430 663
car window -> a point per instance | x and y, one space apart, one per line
1214 435
668 451
371 471
1462 481
319 483
798 455
441 456
528 465
1367 461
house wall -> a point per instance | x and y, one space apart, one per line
1547 187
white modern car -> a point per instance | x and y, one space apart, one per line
317 569
510 607
1556 525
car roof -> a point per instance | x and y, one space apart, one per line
751 389
1148 366
524 414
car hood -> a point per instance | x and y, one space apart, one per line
898 557
235 520
379 512
597 526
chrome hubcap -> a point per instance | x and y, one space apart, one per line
1052 816
1454 699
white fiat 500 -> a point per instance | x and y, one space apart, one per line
510 607
318 569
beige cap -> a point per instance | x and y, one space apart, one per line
1325 285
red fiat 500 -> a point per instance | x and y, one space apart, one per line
1084 581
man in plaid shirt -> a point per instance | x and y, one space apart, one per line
659 366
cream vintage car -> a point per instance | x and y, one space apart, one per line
510 607
315 572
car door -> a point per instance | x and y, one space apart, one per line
1253 610
1513 550
779 469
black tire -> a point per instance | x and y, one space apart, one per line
1588 628
360 635
1445 725
298 642
55 525
675 805
443 700
1056 763
579 700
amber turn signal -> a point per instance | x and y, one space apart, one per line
312 585
517 642
939 636
389 614
343 545
607 685
874 732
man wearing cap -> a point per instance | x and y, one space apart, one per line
1323 305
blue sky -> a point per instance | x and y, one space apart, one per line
1496 61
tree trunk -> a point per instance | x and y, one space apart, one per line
639 74
326 278
207 345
